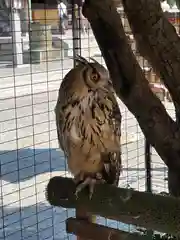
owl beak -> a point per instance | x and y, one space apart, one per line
109 84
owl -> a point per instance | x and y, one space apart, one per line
88 122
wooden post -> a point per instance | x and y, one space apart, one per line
81 214
97 232
76 30
148 166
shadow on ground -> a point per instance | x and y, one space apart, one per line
40 222
26 214
23 164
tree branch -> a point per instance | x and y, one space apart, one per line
88 230
157 41
130 83
139 208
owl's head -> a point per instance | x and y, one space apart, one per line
94 75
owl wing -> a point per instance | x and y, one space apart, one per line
63 107
62 103
113 159
59 124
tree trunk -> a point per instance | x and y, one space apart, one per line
130 83
159 43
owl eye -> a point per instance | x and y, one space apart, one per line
95 77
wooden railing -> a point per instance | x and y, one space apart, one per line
150 211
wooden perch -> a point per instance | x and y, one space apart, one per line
146 210
93 231
130 83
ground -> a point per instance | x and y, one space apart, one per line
27 101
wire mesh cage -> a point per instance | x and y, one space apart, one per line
37 47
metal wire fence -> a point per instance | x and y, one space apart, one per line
29 153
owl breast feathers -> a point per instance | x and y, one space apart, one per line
88 122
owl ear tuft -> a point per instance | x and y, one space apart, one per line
81 60
92 59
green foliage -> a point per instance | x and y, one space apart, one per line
164 237
172 2
178 3
158 236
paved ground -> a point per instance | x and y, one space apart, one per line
88 46
29 154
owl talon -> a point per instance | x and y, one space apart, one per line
82 185
91 188
91 182
79 178
107 167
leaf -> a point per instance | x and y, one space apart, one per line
178 4
171 2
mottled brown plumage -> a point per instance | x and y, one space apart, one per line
88 125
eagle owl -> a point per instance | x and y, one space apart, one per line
88 124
